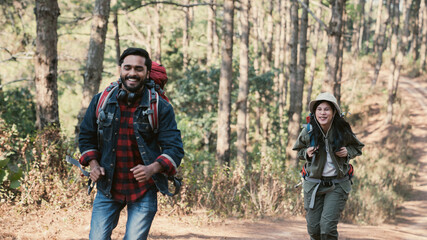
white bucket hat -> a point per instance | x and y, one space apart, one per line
325 97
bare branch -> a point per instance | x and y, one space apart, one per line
171 3
17 80
324 27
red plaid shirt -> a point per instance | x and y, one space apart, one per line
125 187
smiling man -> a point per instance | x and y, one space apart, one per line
128 161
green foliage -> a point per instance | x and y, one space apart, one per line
196 92
12 149
17 108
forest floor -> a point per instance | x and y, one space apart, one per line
411 221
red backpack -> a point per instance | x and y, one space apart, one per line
158 79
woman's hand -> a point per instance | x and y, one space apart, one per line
342 152
311 150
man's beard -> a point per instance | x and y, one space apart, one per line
133 89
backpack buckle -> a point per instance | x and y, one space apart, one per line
147 112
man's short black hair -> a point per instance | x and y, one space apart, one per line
136 51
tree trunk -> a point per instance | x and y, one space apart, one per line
268 44
215 34
405 30
224 105
46 63
334 38
242 99
210 34
378 26
367 26
282 45
295 118
416 37
116 32
381 46
257 56
158 35
314 46
337 84
397 51
95 56
186 36
295 101
423 50
358 27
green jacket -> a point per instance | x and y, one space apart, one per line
315 170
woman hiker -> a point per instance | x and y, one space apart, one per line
326 145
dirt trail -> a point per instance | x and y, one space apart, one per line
411 220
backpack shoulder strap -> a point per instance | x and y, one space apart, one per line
102 101
310 133
154 106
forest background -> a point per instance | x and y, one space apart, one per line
241 74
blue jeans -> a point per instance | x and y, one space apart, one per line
106 213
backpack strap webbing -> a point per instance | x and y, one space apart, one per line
102 101
154 105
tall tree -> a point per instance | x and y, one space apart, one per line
116 30
281 66
295 101
211 32
314 45
95 55
224 101
423 50
242 99
333 55
157 56
398 49
358 27
406 21
186 35
381 46
378 26
46 63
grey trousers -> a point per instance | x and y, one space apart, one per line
323 219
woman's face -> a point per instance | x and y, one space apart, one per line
324 115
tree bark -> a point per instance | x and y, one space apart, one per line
337 84
210 34
224 105
282 45
405 30
397 51
186 36
46 63
242 99
423 50
295 101
158 35
358 28
314 46
116 32
381 46
334 38
366 29
378 26
95 56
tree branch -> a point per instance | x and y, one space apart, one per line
17 80
170 3
322 24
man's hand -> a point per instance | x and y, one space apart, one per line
143 173
342 152
311 150
96 171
